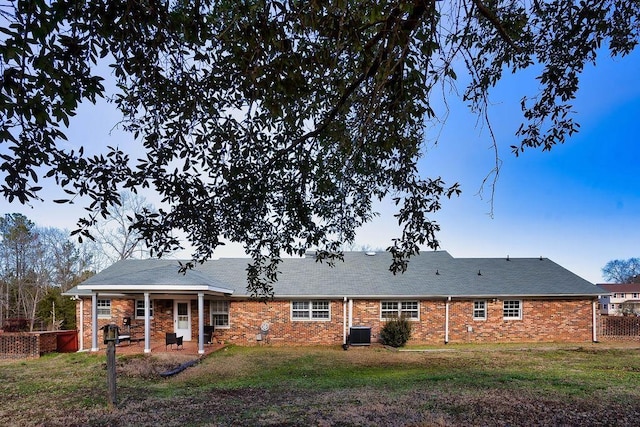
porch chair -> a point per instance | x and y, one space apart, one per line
171 339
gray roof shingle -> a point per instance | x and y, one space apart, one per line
430 274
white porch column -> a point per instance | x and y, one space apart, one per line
147 324
200 322
94 322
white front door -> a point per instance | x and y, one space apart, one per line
182 319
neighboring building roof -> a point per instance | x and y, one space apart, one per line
621 287
361 275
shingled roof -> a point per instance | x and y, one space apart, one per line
620 287
362 275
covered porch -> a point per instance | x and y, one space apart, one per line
148 305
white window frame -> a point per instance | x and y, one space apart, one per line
219 309
635 295
512 309
139 311
399 309
311 310
480 312
102 305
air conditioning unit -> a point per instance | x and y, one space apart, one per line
360 335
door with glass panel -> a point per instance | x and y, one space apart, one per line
182 319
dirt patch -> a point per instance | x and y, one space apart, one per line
146 366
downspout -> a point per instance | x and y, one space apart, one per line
344 321
446 320
81 325
350 313
594 322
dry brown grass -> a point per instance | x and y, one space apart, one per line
482 385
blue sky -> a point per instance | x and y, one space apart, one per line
578 205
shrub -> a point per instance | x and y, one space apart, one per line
396 332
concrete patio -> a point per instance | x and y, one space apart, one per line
189 348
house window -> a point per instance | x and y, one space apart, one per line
219 313
479 310
393 309
619 295
512 309
635 295
104 308
140 308
310 310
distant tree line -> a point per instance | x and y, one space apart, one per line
622 271
36 266
39 264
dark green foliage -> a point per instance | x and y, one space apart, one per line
396 332
63 307
278 124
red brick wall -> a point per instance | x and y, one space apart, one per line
618 328
19 345
245 318
542 321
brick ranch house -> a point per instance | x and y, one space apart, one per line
449 300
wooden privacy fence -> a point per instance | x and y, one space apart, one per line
619 328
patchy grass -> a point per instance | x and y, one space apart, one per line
478 385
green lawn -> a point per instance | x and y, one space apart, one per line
595 384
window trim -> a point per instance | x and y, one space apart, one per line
310 309
400 311
151 309
511 309
216 312
477 310
103 307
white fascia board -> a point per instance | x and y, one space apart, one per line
521 296
427 297
156 288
